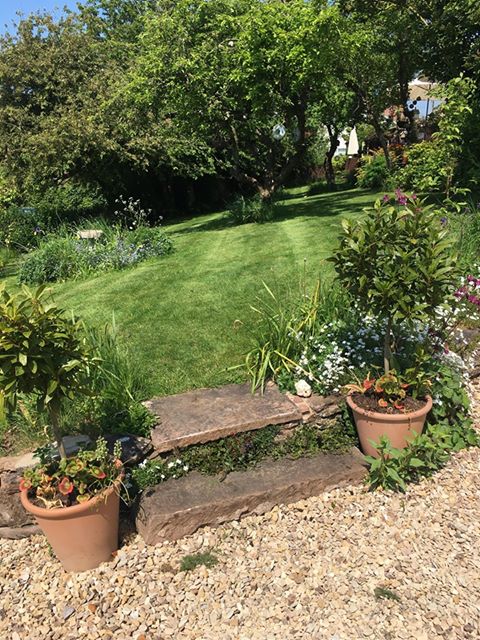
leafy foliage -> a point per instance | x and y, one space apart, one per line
276 347
74 480
449 429
21 228
62 257
373 172
43 353
246 450
253 209
390 389
433 165
397 262
118 386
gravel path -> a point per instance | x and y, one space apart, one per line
307 571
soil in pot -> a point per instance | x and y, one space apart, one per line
400 427
371 404
82 536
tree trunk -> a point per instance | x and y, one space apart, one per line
383 142
387 346
333 134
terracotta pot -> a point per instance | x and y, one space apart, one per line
399 428
82 536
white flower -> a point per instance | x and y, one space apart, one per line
185 468
170 465
178 461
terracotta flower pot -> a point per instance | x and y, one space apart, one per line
82 536
399 428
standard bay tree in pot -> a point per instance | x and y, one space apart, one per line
399 265
44 355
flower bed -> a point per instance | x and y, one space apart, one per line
62 257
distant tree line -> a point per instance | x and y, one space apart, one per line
185 102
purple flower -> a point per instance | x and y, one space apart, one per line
385 198
443 221
471 279
401 197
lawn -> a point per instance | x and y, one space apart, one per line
186 316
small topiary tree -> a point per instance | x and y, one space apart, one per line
42 353
397 262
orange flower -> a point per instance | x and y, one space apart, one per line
382 403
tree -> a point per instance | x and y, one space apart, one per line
213 80
53 76
397 262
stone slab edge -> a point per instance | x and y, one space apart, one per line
279 415
178 508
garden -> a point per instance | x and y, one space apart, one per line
220 331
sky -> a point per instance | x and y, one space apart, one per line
9 8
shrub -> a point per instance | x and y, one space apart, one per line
68 202
397 263
373 172
339 163
254 209
463 220
317 188
44 354
21 228
425 168
64 257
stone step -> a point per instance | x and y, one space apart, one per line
178 507
210 414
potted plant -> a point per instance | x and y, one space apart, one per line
388 407
399 265
44 354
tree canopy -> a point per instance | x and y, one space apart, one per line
141 95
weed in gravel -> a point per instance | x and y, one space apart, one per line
193 561
385 594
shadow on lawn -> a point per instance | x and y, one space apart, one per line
336 203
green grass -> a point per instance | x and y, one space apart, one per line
185 316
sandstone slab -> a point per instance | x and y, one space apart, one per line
177 508
12 514
209 414
134 448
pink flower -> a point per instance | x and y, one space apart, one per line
98 473
25 484
65 486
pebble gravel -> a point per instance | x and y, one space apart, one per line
311 570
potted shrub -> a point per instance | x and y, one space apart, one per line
43 353
399 265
